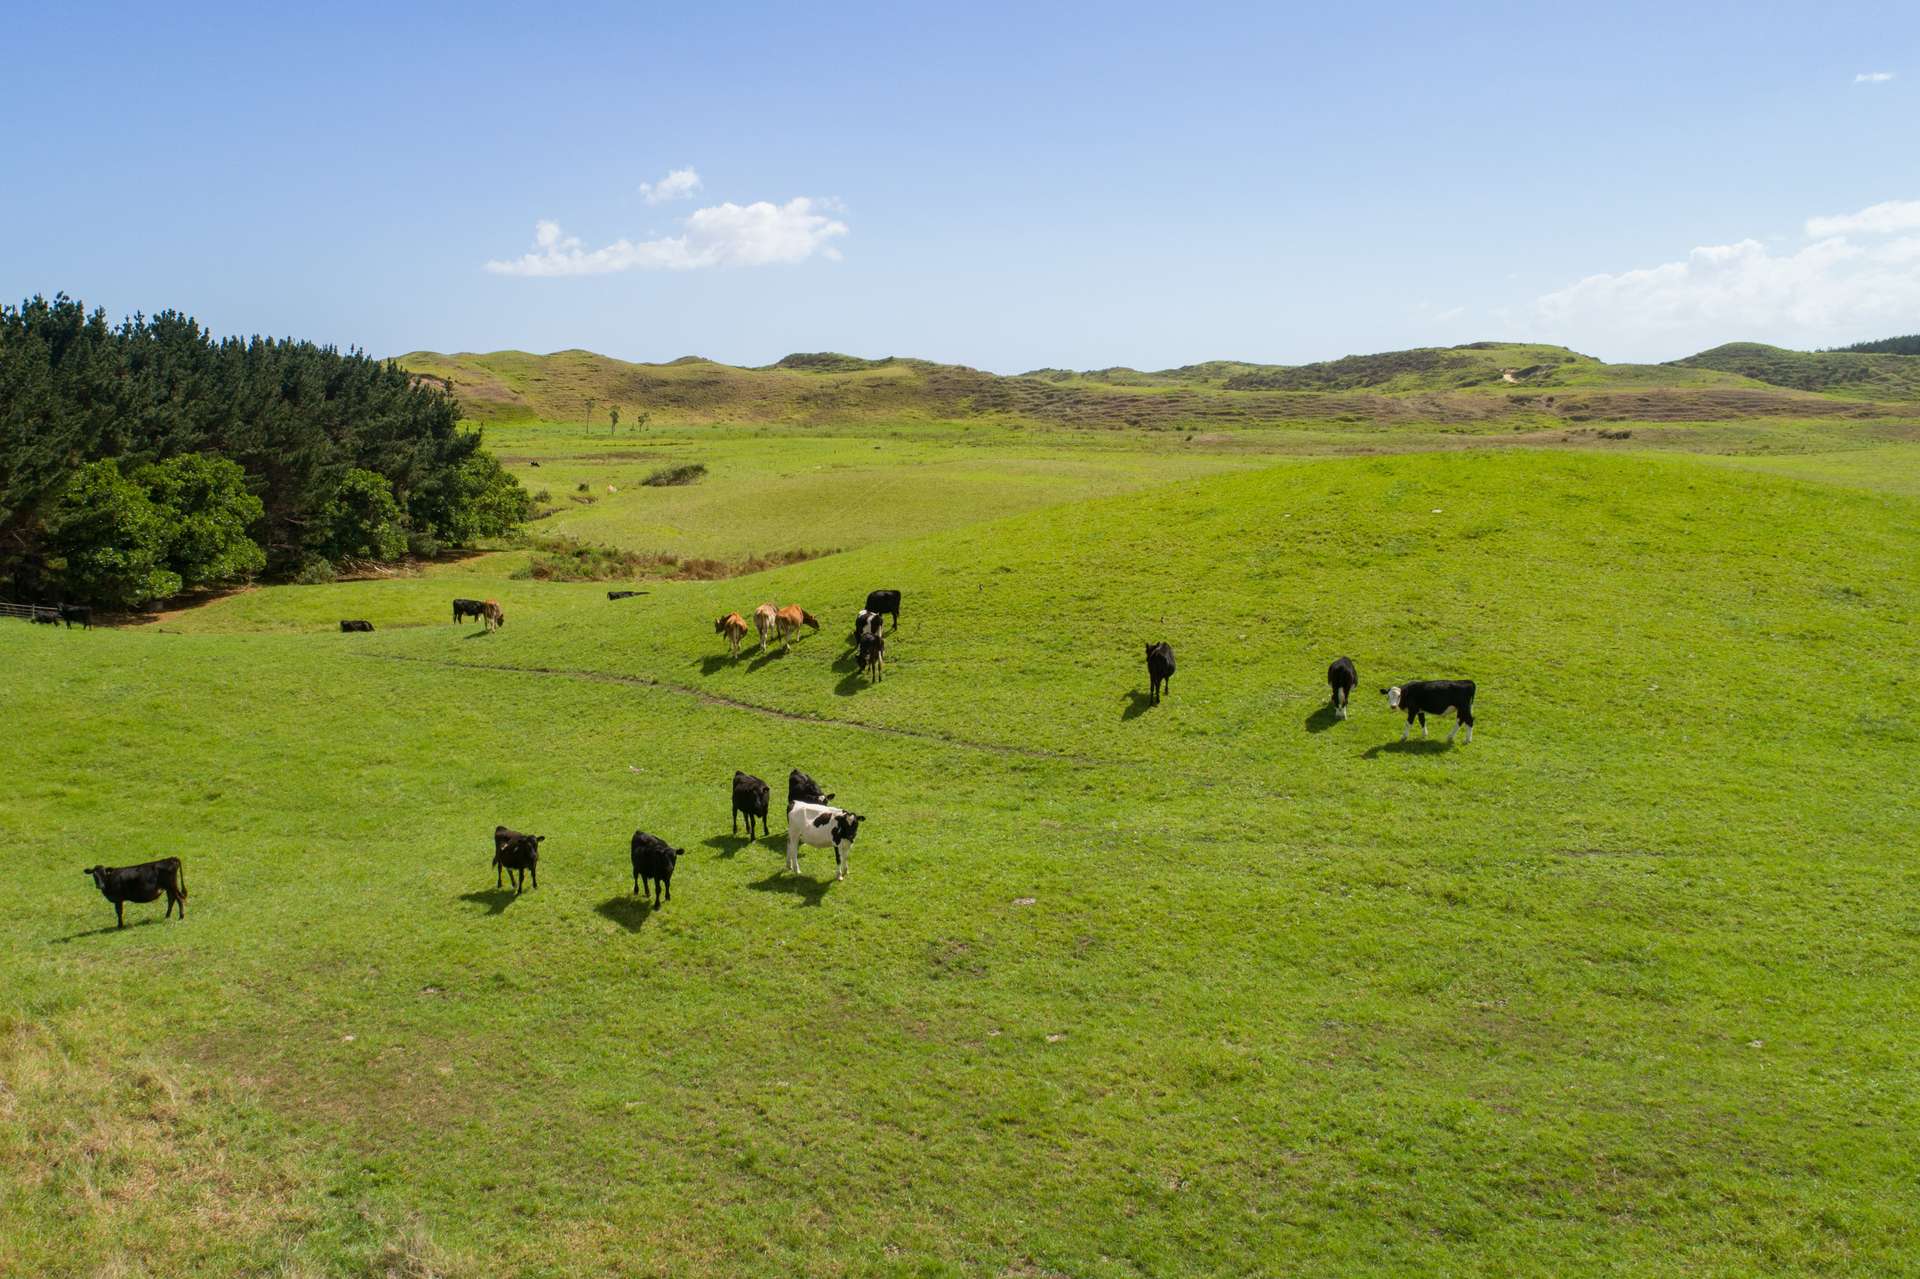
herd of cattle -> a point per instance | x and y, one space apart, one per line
812 819
55 614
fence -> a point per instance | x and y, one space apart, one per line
24 611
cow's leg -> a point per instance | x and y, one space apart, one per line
736 823
534 871
1407 732
119 914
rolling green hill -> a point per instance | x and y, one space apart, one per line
1224 986
1849 374
1501 386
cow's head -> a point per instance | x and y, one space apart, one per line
808 619
846 826
719 625
95 873
1393 697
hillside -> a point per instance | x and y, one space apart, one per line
1851 374
1510 386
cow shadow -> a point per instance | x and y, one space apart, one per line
105 928
809 891
733 845
482 633
1138 704
630 912
772 654
718 662
850 683
1322 719
496 900
1412 746
848 661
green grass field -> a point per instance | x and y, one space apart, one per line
1222 986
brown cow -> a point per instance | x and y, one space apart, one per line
791 618
491 615
734 627
763 622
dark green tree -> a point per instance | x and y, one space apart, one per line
108 541
208 512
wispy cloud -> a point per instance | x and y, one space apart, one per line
1873 77
680 184
758 234
1855 274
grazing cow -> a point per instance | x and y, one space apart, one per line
1433 697
533 464
1342 679
81 613
653 861
868 623
802 789
885 602
517 855
490 614
764 623
1160 668
46 616
821 826
873 656
791 618
621 595
463 609
734 627
142 883
355 625
751 796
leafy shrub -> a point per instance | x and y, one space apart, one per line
668 476
109 540
362 521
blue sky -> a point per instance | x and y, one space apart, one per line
1007 187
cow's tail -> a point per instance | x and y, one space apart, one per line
180 881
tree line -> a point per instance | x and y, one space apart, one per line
141 459
1908 345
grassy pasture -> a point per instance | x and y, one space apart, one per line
1622 987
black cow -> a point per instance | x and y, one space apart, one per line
1433 697
81 613
873 656
802 789
46 616
347 625
463 609
622 595
885 602
142 883
1342 679
515 854
751 796
653 861
1160 668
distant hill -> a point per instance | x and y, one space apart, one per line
1477 382
1854 375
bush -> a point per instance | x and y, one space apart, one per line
315 571
362 521
668 476
109 540
208 509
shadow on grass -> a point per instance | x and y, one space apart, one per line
1138 704
729 845
482 633
768 656
495 900
809 891
1322 719
718 662
631 913
109 928
1412 746
847 661
851 683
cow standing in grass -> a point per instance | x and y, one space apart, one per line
465 608
751 796
1342 678
1433 697
653 862
492 616
734 627
873 656
142 883
802 789
763 621
821 826
790 619
1159 669
885 602
517 855
350 625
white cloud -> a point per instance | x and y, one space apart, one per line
1876 219
1873 77
758 234
1831 289
680 184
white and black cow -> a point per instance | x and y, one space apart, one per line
1342 678
821 826
1433 697
868 624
